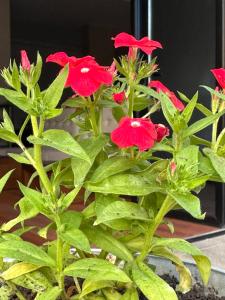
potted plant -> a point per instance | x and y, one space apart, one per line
127 187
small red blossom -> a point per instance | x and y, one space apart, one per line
160 87
119 97
134 132
85 74
173 167
124 39
25 61
219 74
162 131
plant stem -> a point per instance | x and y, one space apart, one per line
131 101
166 206
93 119
214 133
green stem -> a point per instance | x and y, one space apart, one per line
131 101
214 133
167 205
93 119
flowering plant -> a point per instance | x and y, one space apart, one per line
107 170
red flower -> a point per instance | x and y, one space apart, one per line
119 97
162 131
134 132
25 61
162 88
219 74
126 40
85 74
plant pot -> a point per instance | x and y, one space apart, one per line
216 283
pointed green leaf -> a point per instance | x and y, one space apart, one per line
96 269
18 269
121 184
122 209
151 285
27 211
19 158
188 110
8 136
54 91
107 242
217 161
16 98
62 141
111 167
202 261
50 294
4 179
25 252
201 124
75 237
90 286
188 202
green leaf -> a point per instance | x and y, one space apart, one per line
122 209
27 211
96 269
75 237
9 136
201 124
218 162
17 270
19 158
185 280
111 167
25 252
37 69
35 281
130 294
199 106
69 198
4 179
6 292
16 98
71 218
62 141
151 285
111 294
90 286
121 184
214 92
107 242
118 113
50 294
36 199
202 261
101 201
188 202
54 92
188 110
80 167
195 140
7 123
187 158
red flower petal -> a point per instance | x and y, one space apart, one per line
124 39
219 74
60 58
25 60
162 131
134 132
160 87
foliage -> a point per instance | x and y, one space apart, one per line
126 187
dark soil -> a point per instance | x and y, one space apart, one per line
197 292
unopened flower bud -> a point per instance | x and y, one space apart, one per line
25 61
173 167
